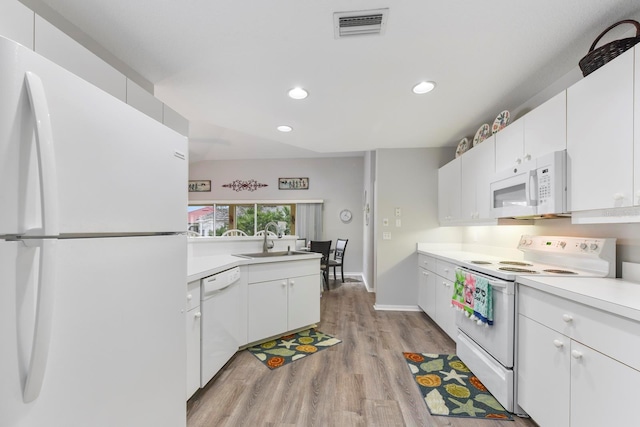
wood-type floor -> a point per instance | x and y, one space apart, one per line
363 381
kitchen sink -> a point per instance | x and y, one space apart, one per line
272 254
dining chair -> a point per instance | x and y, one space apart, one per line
338 257
234 232
322 247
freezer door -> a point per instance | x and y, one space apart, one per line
117 352
74 154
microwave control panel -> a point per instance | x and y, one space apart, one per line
544 185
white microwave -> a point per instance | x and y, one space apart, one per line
534 188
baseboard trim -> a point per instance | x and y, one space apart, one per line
387 307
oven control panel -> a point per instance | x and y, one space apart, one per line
565 245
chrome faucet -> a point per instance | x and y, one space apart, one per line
266 245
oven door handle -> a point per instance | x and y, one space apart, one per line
493 282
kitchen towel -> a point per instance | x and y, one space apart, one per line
473 296
483 302
463 290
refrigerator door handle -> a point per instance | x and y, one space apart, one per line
43 317
46 158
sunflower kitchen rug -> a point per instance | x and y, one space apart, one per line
449 388
289 348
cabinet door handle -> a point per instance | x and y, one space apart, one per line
618 196
558 343
527 157
284 283
518 161
425 273
189 297
197 315
292 282
576 354
567 318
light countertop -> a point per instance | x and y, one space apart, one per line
199 267
616 296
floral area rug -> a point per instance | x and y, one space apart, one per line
449 388
289 348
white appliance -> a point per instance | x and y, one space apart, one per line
537 187
222 329
92 268
490 351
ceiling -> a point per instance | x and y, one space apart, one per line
227 66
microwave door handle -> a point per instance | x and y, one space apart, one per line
533 188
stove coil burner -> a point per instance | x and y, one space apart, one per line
518 270
520 263
480 262
551 270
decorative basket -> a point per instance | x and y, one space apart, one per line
600 56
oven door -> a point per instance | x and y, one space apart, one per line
513 192
497 339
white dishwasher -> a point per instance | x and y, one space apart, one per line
222 334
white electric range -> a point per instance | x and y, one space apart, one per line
489 351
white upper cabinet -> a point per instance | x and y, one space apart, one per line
55 45
636 128
600 137
541 131
545 128
449 177
510 145
16 22
477 168
175 121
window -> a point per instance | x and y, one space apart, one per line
213 220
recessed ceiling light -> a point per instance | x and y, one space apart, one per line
298 93
285 128
423 87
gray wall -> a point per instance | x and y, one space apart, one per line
406 179
337 181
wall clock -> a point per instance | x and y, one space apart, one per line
345 215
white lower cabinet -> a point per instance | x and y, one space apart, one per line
543 373
435 287
282 297
569 372
193 325
427 284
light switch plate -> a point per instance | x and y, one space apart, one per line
398 222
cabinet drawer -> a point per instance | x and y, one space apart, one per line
446 270
282 270
615 336
427 262
193 294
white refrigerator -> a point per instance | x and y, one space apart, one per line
92 259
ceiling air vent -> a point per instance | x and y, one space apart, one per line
363 22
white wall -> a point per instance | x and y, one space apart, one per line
337 181
406 179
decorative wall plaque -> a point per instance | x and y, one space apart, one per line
199 186
239 185
293 183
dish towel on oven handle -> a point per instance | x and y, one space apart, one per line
473 296
483 302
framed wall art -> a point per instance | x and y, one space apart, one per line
293 183
199 186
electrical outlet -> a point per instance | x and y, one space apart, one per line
386 236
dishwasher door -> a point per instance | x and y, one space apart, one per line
221 299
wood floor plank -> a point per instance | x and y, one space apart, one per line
363 381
